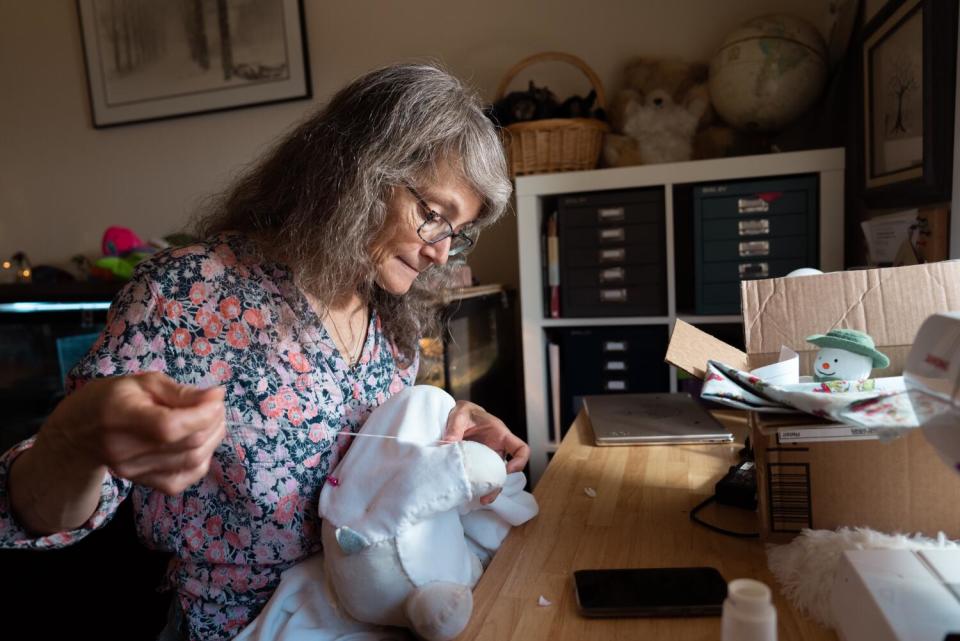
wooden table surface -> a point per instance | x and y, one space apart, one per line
639 518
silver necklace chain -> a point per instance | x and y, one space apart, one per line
353 351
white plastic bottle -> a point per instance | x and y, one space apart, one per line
748 614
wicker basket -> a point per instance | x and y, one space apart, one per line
553 144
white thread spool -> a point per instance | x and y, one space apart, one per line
748 614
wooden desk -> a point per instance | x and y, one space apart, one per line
640 517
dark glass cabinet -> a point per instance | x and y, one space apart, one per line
476 358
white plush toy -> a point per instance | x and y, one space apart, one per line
845 355
663 129
405 537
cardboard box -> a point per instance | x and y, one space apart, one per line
895 486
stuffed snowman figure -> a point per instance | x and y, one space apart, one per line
845 355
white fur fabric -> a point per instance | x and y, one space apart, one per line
486 526
663 130
805 567
304 608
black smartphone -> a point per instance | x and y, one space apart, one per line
650 592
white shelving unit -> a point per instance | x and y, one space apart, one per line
530 192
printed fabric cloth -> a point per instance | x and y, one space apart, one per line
879 404
215 313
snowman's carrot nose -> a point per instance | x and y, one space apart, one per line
826 366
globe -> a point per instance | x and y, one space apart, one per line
768 72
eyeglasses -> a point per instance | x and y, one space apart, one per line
436 228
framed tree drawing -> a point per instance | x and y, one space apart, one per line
909 58
154 59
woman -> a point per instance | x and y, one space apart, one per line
269 343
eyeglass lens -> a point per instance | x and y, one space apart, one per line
436 228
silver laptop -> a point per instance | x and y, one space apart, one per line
652 419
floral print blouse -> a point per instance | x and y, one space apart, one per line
213 314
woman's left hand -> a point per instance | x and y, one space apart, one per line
468 421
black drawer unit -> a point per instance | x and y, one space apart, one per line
751 229
612 254
610 360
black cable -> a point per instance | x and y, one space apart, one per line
709 526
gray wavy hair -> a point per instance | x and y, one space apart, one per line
318 200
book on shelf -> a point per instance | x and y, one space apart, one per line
553 359
552 264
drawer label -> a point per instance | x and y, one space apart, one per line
610 214
609 255
615 346
756 227
613 295
612 275
612 233
754 248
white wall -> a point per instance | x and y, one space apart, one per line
62 182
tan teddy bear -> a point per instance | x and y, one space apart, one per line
663 114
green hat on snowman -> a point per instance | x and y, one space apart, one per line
827 365
852 341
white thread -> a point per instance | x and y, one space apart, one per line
305 428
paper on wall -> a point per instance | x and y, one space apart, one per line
885 235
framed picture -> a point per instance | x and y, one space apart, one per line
909 59
148 60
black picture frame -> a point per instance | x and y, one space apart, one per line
148 61
909 121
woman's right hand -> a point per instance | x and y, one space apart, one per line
146 428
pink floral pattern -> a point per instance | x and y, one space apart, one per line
212 314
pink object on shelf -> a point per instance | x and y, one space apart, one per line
118 241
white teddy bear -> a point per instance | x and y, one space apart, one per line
405 537
663 129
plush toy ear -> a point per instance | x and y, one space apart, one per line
350 541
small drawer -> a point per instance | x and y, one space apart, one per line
784 247
626 300
612 215
614 275
614 235
612 197
749 269
613 256
753 205
746 228
630 296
